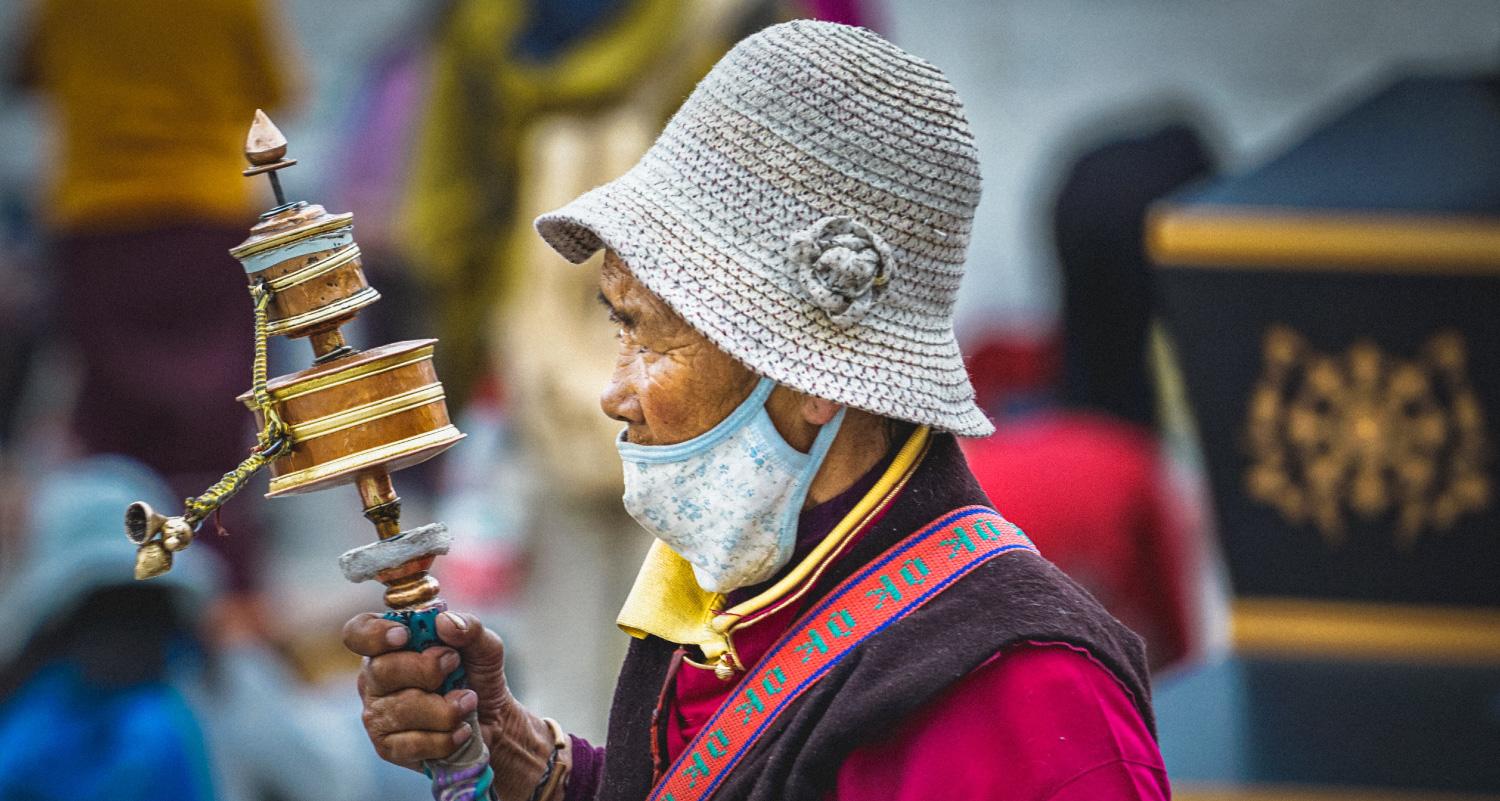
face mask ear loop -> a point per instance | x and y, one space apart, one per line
741 416
815 456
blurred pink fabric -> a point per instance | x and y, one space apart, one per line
849 12
1092 492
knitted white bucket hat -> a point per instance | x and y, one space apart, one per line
808 209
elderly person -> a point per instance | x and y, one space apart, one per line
830 609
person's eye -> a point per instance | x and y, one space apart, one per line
624 321
625 335
627 339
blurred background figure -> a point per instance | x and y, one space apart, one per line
89 710
113 689
149 103
1099 222
1084 474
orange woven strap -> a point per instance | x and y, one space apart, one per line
904 578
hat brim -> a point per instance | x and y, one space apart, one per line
731 291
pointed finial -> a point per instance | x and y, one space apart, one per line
265 143
265 149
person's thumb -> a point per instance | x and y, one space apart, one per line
483 655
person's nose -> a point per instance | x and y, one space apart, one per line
618 400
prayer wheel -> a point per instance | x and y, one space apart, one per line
352 417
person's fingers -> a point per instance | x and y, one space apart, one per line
369 634
412 725
402 670
414 710
408 748
407 724
484 662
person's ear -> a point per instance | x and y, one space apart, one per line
818 411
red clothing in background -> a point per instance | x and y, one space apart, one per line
1092 493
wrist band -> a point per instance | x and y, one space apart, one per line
559 741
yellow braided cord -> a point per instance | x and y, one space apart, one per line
272 440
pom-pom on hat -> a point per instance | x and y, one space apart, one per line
808 210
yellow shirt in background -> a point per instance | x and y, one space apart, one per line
152 99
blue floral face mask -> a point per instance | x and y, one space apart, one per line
727 500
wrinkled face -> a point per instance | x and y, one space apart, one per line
670 383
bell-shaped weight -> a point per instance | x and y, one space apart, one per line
142 522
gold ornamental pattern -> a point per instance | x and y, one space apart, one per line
1367 435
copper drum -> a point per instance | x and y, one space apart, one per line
311 264
380 408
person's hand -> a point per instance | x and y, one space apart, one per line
408 722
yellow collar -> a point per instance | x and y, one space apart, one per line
667 602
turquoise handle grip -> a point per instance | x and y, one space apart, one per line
467 775
422 625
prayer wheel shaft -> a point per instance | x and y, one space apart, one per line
326 342
382 505
407 585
